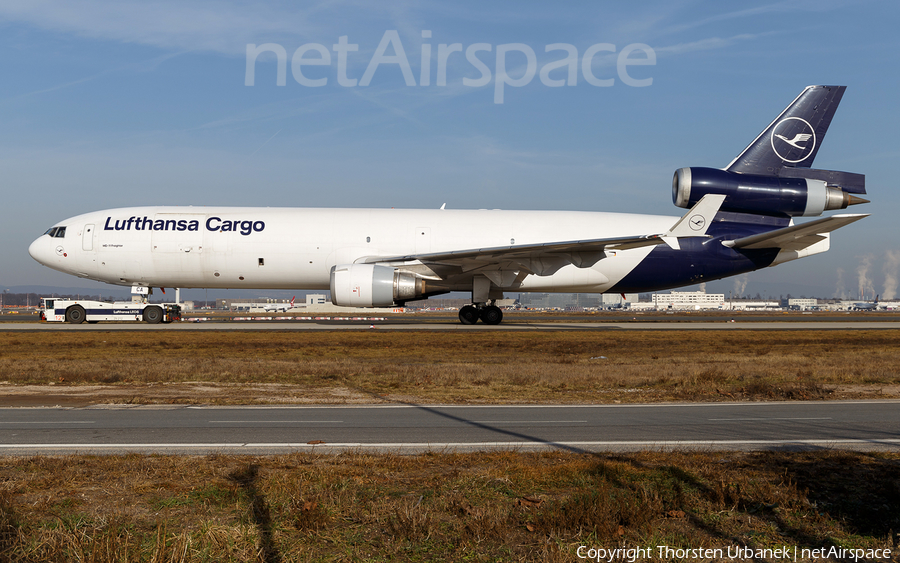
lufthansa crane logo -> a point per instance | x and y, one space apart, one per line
793 140
697 222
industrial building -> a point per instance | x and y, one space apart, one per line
313 303
573 301
688 300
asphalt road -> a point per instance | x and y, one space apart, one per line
861 425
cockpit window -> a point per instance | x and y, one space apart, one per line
56 232
51 231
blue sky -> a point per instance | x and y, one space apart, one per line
109 104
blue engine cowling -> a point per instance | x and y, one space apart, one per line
760 195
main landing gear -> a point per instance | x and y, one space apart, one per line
483 308
488 314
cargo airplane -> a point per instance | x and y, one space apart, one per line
740 219
867 305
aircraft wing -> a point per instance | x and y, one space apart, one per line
796 237
545 259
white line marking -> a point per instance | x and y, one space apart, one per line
276 421
53 422
771 418
536 422
549 406
448 445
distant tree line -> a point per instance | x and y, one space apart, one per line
34 299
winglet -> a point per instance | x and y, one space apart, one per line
696 221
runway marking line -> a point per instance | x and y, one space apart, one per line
538 422
481 407
768 418
276 421
454 445
50 422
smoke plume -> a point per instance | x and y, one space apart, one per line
866 287
891 268
840 291
740 284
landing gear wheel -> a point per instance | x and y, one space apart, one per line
491 315
75 314
468 315
153 315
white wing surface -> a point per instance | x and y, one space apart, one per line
545 259
796 237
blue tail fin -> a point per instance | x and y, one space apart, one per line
794 138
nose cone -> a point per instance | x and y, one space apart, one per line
47 251
37 250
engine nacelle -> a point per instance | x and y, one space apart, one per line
368 285
761 195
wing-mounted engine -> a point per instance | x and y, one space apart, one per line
372 285
777 196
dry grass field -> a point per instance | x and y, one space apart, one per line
442 367
501 506
431 507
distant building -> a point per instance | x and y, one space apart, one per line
249 304
319 303
560 301
800 304
570 301
747 305
688 300
437 304
314 303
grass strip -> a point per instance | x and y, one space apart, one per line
460 367
499 506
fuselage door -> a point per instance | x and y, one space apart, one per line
87 239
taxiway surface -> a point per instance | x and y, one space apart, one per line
862 425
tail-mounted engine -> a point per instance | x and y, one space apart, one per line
760 195
368 285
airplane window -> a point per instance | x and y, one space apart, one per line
51 231
60 232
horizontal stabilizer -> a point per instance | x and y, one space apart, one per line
797 237
850 182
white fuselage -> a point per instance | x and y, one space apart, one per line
295 248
